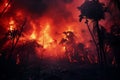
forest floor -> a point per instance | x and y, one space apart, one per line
59 70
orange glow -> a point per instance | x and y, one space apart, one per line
46 37
33 36
12 25
47 30
70 29
6 4
63 48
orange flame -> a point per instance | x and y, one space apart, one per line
6 4
12 25
47 39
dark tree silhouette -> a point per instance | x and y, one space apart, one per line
115 42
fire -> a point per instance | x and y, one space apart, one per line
47 39
4 6
63 48
12 25
47 30
43 36
33 36
7 4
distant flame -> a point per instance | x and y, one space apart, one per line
33 36
6 4
63 48
12 25
46 37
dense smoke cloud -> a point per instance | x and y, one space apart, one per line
31 6
39 7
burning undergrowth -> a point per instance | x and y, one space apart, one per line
51 29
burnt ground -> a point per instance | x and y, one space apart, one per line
58 70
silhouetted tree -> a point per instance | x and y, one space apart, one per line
115 42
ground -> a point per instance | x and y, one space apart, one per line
60 70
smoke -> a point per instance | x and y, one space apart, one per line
55 9
31 6
41 7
